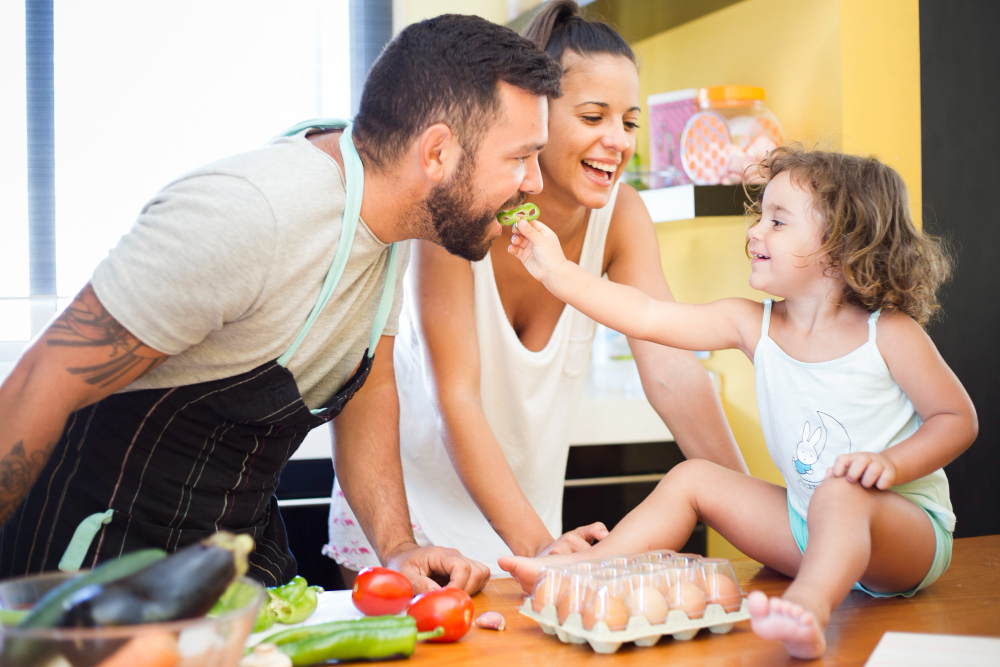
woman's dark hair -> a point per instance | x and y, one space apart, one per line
445 70
559 26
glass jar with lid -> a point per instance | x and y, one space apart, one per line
732 130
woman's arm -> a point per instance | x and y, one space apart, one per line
676 384
950 423
446 314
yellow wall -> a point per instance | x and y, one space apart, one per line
405 12
840 74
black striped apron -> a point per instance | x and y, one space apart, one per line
167 467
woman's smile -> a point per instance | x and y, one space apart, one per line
601 171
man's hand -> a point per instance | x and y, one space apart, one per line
868 468
575 540
423 566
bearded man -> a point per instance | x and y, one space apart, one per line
163 403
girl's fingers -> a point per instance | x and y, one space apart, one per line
872 474
857 468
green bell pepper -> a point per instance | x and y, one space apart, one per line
294 601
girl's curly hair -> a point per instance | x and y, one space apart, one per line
869 236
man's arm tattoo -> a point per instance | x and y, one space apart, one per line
18 471
86 323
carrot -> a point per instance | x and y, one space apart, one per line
150 649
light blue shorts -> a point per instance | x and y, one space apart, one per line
942 551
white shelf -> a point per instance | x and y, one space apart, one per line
685 202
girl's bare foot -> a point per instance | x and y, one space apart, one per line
526 569
791 623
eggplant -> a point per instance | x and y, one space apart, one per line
183 585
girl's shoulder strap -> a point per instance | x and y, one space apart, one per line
872 321
766 320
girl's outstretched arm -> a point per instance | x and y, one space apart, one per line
723 324
950 422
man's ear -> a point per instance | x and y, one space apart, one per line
438 151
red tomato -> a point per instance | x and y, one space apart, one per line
379 591
449 608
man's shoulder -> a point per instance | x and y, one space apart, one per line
280 164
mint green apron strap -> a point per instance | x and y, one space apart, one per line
72 558
385 304
354 177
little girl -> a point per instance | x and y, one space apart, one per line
859 411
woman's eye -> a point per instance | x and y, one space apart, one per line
631 125
592 119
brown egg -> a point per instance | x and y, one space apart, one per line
608 608
723 591
546 590
575 597
687 597
649 602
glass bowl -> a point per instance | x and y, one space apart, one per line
193 642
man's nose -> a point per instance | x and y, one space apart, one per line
532 182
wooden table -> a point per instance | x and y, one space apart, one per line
964 601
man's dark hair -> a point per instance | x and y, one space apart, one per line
446 69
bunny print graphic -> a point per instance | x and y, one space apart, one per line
828 441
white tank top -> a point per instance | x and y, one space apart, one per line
529 399
811 413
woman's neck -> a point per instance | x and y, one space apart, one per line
561 212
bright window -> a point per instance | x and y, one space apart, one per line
145 91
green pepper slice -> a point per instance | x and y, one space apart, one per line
526 211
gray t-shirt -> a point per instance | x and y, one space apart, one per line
224 265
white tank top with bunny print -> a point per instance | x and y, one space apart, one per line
811 413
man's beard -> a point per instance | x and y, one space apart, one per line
451 210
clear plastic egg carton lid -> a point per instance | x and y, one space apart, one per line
638 598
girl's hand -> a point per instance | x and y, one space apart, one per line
868 468
537 247
575 540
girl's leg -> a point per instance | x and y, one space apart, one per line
750 513
877 537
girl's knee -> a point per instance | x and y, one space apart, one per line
689 471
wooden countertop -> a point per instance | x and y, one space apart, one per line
964 601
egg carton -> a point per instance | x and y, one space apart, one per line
639 630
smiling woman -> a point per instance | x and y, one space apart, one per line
490 366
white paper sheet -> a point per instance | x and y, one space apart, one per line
910 649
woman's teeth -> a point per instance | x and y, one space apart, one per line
603 169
